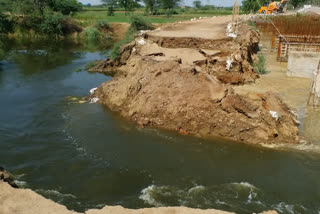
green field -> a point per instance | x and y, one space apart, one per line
89 16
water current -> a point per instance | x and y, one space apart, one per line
83 156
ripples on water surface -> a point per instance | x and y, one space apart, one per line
81 155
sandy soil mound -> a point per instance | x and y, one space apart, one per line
190 89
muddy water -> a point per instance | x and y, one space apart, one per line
293 90
81 155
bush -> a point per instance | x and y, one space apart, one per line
260 66
5 24
139 23
32 22
52 24
92 34
103 25
67 6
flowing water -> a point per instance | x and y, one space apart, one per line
83 156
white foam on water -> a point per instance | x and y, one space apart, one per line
20 183
302 146
245 184
146 196
19 176
55 193
252 193
283 207
196 189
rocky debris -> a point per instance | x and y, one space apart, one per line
309 9
25 201
7 177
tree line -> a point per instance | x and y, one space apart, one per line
43 16
151 6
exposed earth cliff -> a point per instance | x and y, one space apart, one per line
165 80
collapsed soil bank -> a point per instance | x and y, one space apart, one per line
188 88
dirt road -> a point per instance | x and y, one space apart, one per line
206 28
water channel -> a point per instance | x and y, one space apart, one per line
84 156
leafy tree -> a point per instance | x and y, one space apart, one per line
297 3
152 6
252 5
5 24
52 24
41 5
128 5
65 6
111 4
169 4
197 4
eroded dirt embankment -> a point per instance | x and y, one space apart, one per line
188 87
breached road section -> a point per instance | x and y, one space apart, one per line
165 80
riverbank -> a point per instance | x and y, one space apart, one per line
181 78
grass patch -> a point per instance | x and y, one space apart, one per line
260 65
90 65
102 25
92 34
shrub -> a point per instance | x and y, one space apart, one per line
139 23
5 24
52 24
32 22
260 66
92 34
67 6
103 25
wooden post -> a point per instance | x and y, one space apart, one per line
279 48
273 42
